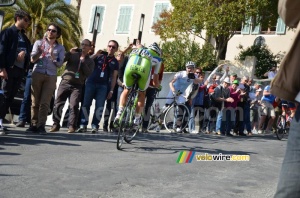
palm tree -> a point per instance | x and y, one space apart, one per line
44 12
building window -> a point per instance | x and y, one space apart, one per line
159 8
125 15
93 20
249 27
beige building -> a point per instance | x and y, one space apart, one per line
120 20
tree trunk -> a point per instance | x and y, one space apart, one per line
221 47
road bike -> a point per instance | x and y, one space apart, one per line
174 117
126 131
283 123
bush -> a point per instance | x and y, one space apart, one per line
265 58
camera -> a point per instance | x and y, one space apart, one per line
78 50
104 53
191 75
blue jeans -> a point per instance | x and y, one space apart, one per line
99 93
219 120
289 179
26 102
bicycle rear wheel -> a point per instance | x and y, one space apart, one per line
124 123
176 118
280 127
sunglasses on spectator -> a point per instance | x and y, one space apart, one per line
51 30
84 44
111 46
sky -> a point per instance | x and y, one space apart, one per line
67 1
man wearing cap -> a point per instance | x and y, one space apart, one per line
220 96
243 117
180 82
233 77
230 108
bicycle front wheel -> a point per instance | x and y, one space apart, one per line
280 127
176 118
124 123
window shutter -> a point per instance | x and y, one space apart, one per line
100 10
92 16
280 27
246 27
256 29
159 7
124 20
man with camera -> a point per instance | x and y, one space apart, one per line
180 82
99 85
79 67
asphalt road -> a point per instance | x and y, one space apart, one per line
89 165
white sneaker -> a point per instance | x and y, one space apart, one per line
178 129
194 132
157 129
254 131
259 132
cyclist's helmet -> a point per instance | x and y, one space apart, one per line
155 48
190 64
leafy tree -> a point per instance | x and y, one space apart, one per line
176 53
217 19
44 12
265 58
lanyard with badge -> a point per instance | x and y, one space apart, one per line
104 66
78 68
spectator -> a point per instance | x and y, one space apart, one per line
286 86
267 109
150 96
179 83
272 71
255 96
15 51
79 67
228 118
47 55
111 104
221 95
102 79
197 107
243 117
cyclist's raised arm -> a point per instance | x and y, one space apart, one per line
171 84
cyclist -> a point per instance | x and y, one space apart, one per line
141 60
288 106
179 84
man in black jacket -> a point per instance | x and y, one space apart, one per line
14 60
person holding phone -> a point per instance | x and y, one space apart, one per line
99 85
79 66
